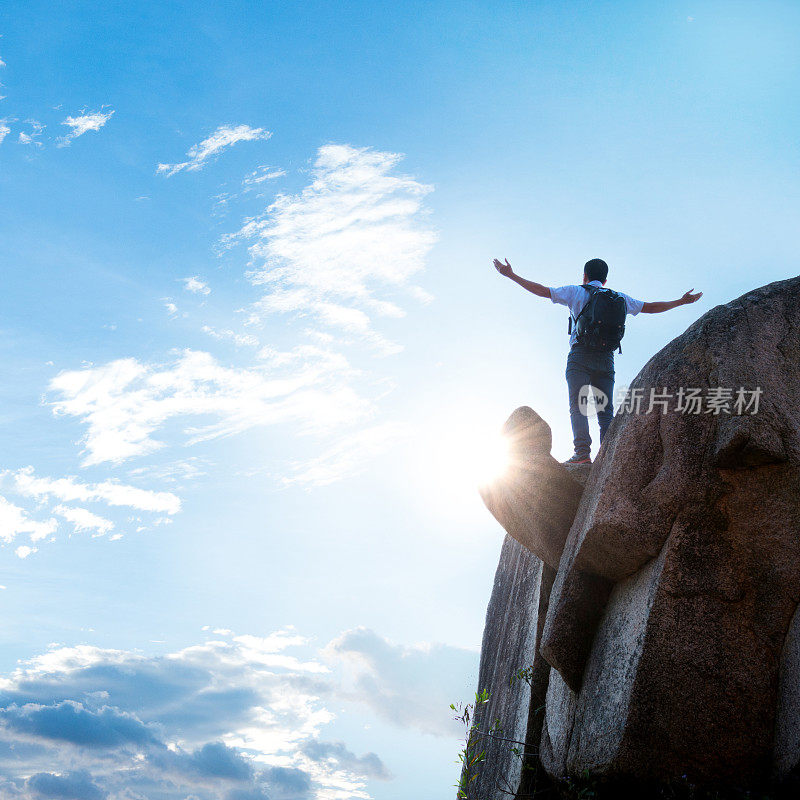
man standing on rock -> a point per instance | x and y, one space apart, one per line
597 324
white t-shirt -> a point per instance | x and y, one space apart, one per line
576 297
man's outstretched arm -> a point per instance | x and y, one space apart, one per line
531 286
666 305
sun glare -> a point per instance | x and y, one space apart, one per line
489 459
464 459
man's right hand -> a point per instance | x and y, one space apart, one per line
690 298
503 269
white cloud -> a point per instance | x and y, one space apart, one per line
84 520
83 123
341 251
221 203
326 359
252 182
124 402
260 175
15 520
34 135
26 483
241 339
4 129
378 673
23 551
238 717
182 470
421 295
354 233
345 458
196 286
224 137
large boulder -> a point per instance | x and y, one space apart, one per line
536 499
681 573
672 625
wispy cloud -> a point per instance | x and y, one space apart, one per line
4 129
195 285
56 497
343 251
32 136
175 472
15 520
346 457
124 402
241 339
84 520
223 137
357 232
83 123
25 482
261 175
252 182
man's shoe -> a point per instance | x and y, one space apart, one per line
576 459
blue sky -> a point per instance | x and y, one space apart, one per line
254 346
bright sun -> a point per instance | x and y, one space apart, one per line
465 458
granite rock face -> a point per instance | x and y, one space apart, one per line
509 644
672 624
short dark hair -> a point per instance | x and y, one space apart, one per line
596 270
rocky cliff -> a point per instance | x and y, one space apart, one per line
655 609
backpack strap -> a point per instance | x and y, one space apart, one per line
591 290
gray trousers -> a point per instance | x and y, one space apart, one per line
591 368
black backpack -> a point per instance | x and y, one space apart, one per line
601 322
